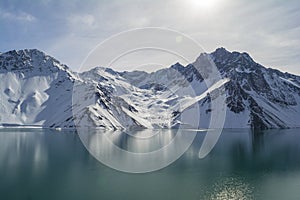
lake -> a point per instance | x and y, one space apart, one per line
50 164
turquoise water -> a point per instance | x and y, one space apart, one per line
48 164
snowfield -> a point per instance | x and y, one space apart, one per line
36 90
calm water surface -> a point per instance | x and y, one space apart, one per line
48 164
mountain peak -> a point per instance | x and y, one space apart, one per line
222 50
177 66
29 60
222 55
25 52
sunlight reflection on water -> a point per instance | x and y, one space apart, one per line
232 189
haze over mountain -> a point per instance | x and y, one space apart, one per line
269 29
37 90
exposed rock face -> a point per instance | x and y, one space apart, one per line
38 90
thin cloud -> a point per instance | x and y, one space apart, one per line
20 16
269 30
83 19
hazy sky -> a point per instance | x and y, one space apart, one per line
69 29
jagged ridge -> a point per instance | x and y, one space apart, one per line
38 90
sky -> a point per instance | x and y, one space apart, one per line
69 30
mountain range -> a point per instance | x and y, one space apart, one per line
37 90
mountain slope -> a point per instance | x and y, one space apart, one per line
256 97
38 90
268 97
33 85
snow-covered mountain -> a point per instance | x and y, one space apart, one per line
37 90
259 96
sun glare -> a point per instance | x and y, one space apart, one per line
202 4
